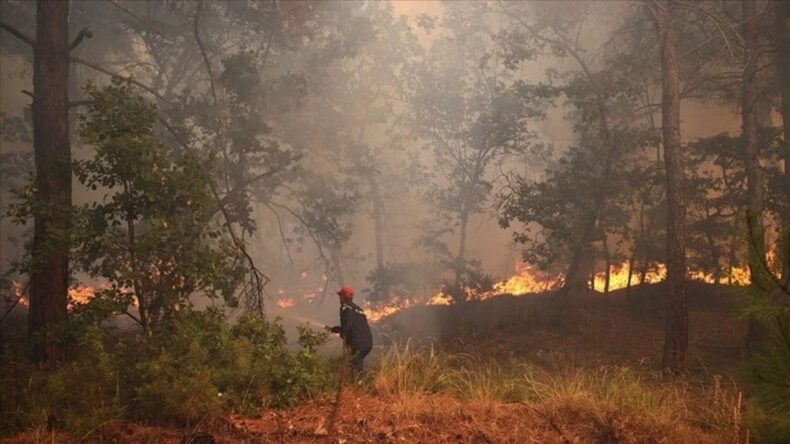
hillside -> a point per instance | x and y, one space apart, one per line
624 327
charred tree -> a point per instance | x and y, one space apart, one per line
49 277
676 338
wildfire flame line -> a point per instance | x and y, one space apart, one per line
526 280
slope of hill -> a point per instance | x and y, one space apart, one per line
624 327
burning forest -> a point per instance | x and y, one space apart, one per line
304 221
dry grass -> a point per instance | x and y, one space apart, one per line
418 394
406 369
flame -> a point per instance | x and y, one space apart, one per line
17 295
738 276
379 313
81 294
618 276
285 303
526 281
440 299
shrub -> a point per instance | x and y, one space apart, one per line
194 368
79 396
769 374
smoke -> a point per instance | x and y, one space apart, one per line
352 119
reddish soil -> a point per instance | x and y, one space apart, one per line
369 419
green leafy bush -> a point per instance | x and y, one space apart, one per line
80 395
769 374
194 368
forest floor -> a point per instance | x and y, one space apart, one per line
623 330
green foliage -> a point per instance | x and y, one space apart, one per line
194 368
471 282
152 236
768 427
402 280
80 395
201 366
770 371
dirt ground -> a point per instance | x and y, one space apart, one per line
370 419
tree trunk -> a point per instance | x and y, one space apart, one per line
676 339
645 265
635 250
608 259
754 180
783 66
577 277
50 274
754 177
378 219
337 265
461 258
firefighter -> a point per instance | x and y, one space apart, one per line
354 330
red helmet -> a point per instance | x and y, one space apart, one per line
346 293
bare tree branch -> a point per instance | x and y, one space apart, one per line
142 20
83 34
282 232
118 76
257 277
18 34
203 52
14 304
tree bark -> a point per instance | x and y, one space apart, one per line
577 277
783 66
754 178
337 265
676 338
461 258
49 277
378 219
608 260
635 250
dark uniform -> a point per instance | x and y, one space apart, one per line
355 331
